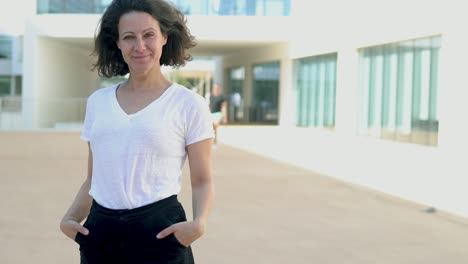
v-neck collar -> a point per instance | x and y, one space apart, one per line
118 107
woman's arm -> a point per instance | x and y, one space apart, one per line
199 156
79 210
224 111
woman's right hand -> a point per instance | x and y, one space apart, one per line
71 227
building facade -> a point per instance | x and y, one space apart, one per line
370 92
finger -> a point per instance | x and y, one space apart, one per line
83 230
165 232
79 228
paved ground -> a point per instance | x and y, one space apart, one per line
265 212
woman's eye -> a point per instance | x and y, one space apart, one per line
127 37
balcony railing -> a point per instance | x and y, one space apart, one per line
25 113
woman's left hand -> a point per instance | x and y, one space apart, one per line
185 232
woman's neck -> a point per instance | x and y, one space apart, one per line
147 82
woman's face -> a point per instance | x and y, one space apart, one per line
140 41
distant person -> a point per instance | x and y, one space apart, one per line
218 107
139 133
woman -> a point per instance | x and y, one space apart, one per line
139 134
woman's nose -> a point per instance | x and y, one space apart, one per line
139 44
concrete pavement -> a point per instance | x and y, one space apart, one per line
265 211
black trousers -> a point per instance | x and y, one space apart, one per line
129 236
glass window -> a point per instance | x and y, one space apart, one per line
10 85
5 85
236 94
398 91
189 7
264 108
316 88
6 47
72 6
274 7
18 85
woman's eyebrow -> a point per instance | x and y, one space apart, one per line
131 32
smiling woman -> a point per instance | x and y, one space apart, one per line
141 42
171 21
139 134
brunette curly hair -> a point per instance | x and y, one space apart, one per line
172 21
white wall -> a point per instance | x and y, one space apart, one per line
66 71
65 75
13 15
432 176
268 53
31 66
244 28
54 71
52 67
328 26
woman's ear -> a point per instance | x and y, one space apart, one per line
117 43
165 39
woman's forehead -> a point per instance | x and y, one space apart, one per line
137 21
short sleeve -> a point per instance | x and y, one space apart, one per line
88 121
198 122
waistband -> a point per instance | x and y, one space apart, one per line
158 205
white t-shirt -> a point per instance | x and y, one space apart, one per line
138 158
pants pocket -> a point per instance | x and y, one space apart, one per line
77 238
176 242
175 215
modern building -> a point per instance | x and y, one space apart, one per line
370 92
